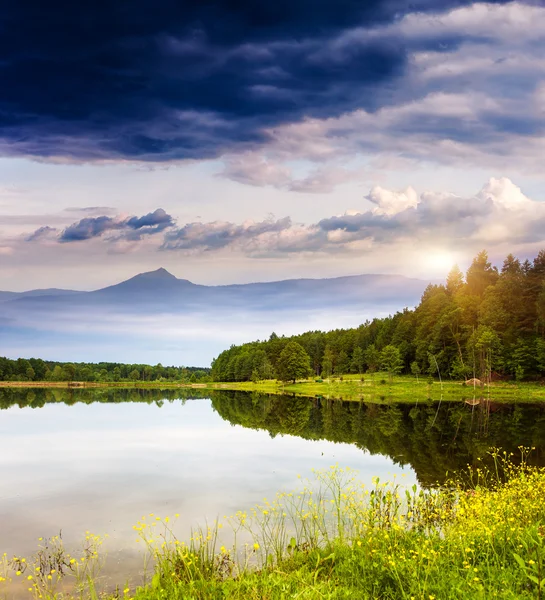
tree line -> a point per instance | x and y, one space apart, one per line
486 323
36 369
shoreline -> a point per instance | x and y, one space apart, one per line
383 540
350 388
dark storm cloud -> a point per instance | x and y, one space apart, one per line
164 79
131 228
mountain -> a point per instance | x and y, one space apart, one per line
4 296
155 314
144 286
161 289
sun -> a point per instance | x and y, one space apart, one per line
439 262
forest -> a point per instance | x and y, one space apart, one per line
36 369
488 323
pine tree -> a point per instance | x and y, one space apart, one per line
481 274
390 361
293 363
357 360
455 280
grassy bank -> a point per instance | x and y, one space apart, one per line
378 388
482 537
375 387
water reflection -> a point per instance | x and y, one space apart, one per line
432 438
98 459
91 460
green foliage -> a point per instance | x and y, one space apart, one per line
490 324
357 363
35 369
481 274
327 362
293 363
415 369
372 358
343 363
390 360
333 537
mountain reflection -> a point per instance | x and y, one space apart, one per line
433 439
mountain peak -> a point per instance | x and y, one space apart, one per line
160 273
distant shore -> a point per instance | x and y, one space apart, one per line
373 388
101 384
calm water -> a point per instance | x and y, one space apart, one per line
98 460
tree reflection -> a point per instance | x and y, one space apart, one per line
434 440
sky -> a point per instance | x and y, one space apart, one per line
245 141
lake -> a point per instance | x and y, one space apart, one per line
73 460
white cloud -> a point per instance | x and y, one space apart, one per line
503 192
514 22
498 213
475 100
390 202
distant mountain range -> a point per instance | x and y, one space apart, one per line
161 290
156 317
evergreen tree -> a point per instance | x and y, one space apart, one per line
293 363
343 365
390 361
356 366
327 362
455 280
481 274
372 358
511 266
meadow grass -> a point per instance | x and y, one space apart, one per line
377 388
481 536
370 387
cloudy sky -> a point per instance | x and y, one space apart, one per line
243 141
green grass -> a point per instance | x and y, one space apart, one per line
481 537
378 388
375 387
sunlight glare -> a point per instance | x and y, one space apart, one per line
439 262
